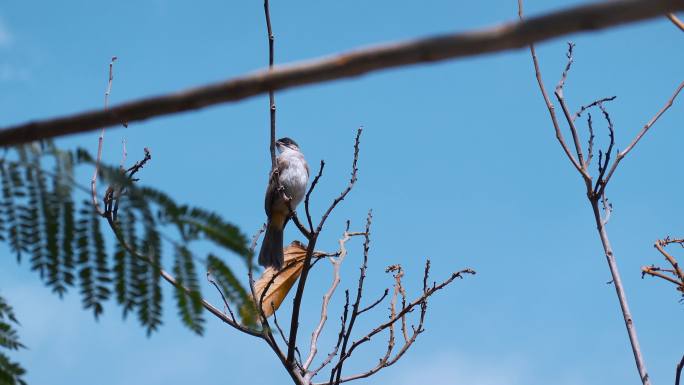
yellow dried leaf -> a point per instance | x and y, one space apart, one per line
294 255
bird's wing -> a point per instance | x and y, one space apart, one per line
272 194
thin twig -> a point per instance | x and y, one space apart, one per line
660 245
566 111
590 105
678 372
506 36
271 94
226 305
601 183
676 273
100 140
429 291
352 181
340 337
643 131
590 143
376 303
297 300
308 194
386 361
549 105
654 271
336 373
275 321
607 209
336 263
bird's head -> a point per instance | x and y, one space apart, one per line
286 143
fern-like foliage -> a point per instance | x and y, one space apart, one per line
10 372
49 219
189 302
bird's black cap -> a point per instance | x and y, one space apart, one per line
287 142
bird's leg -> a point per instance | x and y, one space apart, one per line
286 198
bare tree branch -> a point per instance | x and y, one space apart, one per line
98 159
296 302
676 274
427 292
592 104
336 262
502 37
336 373
340 337
645 129
596 193
271 94
564 107
308 194
376 303
675 20
226 305
549 104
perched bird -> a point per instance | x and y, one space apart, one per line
293 176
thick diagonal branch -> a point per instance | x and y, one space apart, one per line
502 37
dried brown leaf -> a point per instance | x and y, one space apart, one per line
294 254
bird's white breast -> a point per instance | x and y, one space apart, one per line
294 177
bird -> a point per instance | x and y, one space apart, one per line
293 176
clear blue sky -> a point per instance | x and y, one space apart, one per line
481 183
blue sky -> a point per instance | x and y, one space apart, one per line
459 163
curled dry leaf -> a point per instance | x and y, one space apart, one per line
294 254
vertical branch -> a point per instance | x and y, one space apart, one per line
596 194
336 262
566 111
271 94
336 373
600 186
297 301
621 294
93 181
590 144
550 107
